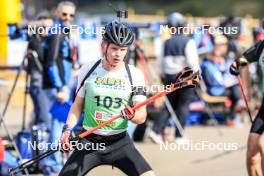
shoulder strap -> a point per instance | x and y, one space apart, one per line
129 74
88 74
130 80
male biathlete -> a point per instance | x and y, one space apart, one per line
110 89
255 146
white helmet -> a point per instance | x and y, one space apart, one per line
176 20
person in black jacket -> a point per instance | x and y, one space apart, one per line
57 73
35 56
179 51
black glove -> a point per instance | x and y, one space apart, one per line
234 68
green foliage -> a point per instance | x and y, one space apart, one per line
201 8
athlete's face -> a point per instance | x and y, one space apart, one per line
115 53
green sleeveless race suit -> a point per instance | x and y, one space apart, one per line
106 94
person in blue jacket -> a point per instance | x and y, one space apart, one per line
216 76
57 73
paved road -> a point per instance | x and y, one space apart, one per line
180 162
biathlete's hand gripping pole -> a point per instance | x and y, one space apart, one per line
187 79
243 62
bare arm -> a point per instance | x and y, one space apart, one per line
140 115
75 112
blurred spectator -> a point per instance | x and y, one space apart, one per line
258 32
35 55
232 27
179 51
57 72
204 40
216 75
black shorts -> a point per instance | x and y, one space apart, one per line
119 152
258 123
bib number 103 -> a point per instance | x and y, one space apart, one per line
108 102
